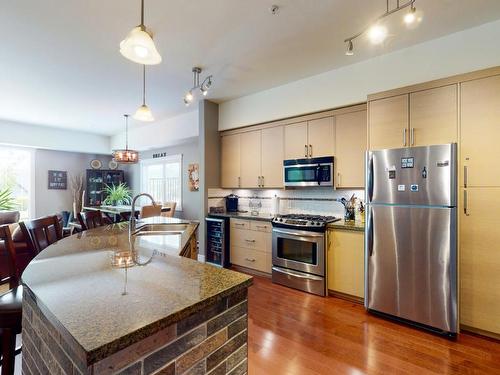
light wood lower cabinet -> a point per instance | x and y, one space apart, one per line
480 260
250 243
345 257
350 138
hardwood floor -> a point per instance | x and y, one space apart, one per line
292 333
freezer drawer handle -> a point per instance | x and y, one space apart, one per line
297 274
465 203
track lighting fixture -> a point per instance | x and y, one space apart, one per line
376 32
203 87
139 46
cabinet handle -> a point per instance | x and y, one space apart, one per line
306 150
239 224
465 203
466 176
338 179
310 151
412 136
252 241
258 181
404 137
261 226
239 181
250 259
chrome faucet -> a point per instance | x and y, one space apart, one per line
133 221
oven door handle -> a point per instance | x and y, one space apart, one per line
297 274
316 235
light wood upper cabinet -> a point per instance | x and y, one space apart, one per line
250 156
350 138
296 141
321 137
480 131
230 161
434 116
388 122
480 260
346 262
272 157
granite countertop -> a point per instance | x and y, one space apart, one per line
80 292
244 215
347 225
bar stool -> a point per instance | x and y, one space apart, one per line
42 232
92 219
10 305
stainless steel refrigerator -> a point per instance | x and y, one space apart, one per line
411 235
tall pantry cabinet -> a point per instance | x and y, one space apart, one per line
480 188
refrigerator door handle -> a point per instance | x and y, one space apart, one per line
370 234
466 177
369 180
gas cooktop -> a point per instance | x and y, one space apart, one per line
306 222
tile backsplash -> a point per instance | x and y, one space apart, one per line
321 200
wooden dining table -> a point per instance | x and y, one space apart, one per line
114 212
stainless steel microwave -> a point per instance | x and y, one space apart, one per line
308 172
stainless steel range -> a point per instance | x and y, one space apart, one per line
299 256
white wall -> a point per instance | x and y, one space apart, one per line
462 52
172 131
191 200
48 202
27 135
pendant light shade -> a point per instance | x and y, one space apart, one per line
138 46
143 113
126 156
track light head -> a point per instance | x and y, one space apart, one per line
350 48
411 16
377 34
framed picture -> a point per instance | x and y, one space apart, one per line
194 177
58 180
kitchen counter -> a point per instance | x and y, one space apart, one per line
244 215
97 309
347 225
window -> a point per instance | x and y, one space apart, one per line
16 175
163 179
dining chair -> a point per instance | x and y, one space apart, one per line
150 211
171 212
42 232
10 305
92 219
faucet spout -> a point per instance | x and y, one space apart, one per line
133 220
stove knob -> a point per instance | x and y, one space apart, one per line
281 219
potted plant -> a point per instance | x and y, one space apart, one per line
117 194
6 200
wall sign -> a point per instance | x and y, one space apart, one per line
159 155
58 180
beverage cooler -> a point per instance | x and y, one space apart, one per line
217 242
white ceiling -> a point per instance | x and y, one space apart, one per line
60 65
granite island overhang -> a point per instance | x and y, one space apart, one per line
99 303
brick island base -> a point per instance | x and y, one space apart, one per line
211 341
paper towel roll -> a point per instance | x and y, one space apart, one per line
275 205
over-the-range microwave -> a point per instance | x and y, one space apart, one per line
308 172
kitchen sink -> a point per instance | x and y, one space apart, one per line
160 229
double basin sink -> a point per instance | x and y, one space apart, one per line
163 229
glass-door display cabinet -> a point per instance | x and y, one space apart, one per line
97 179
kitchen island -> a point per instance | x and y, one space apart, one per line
99 303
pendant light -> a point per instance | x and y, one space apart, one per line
126 156
143 113
138 46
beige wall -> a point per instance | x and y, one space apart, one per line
47 201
